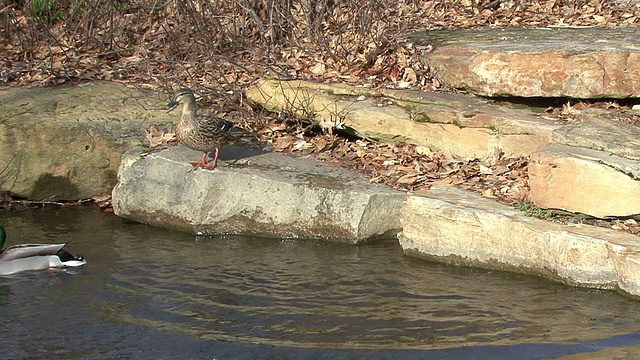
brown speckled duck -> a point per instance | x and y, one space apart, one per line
204 133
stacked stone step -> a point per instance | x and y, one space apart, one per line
592 165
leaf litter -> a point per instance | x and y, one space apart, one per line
359 44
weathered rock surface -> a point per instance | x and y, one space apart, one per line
66 142
472 128
265 193
453 123
598 131
557 62
591 182
458 227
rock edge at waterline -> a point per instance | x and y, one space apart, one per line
458 227
274 194
268 194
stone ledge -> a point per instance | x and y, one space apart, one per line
458 227
85 128
546 62
278 195
599 130
585 181
270 194
455 124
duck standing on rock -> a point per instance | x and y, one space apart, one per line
34 257
204 133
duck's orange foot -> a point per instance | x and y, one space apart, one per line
198 164
203 163
210 166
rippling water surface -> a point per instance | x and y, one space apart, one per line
149 293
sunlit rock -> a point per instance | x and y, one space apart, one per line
585 181
270 194
455 124
599 130
549 62
66 142
454 226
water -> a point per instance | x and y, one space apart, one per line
149 293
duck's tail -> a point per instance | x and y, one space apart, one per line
69 259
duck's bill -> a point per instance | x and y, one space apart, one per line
172 105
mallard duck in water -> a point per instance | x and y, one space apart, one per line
34 257
204 133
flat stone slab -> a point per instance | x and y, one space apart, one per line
65 143
454 226
546 62
270 194
456 124
579 180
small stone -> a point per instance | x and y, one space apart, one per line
485 170
424 151
618 226
488 193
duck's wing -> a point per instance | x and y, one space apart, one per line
28 263
221 125
29 250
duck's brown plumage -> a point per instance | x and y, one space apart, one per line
204 133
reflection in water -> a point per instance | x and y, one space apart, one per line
150 293
5 293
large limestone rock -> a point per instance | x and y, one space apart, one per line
264 193
452 123
459 227
576 63
66 142
581 180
